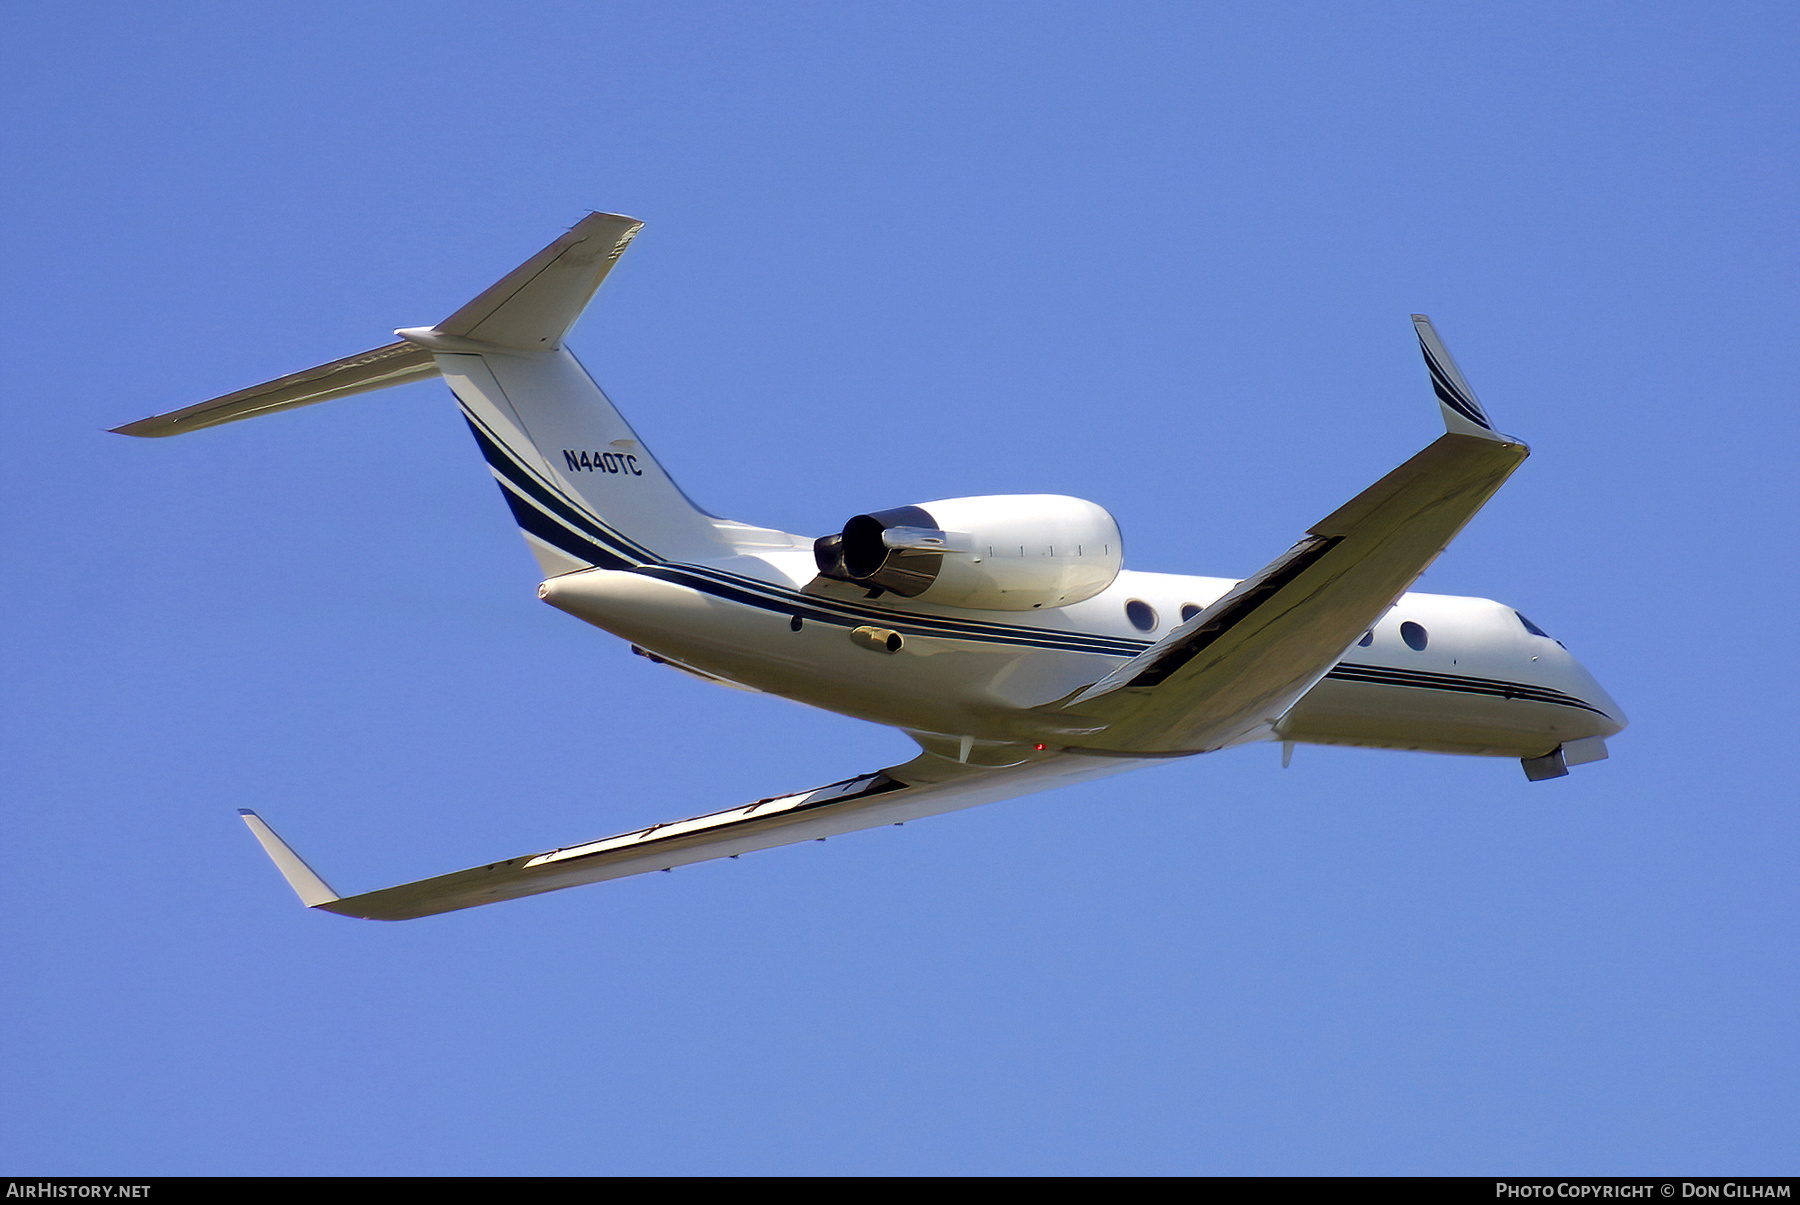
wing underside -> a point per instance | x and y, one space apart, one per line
925 786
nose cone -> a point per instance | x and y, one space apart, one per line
1607 717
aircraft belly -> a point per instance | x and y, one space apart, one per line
931 683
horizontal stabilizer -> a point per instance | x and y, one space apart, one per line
532 307
394 364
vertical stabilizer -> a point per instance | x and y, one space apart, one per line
582 486
584 489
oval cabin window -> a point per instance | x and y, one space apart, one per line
1141 614
1414 635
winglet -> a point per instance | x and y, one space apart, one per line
1463 414
311 889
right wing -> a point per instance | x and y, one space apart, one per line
1233 669
925 786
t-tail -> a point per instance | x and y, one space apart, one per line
584 489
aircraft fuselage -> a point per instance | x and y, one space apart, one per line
1479 682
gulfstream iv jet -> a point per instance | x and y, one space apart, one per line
1003 634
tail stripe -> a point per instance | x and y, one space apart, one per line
544 515
549 507
507 467
504 459
535 522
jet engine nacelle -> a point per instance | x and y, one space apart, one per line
1005 552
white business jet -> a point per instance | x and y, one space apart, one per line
1001 633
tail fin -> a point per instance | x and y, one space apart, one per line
584 489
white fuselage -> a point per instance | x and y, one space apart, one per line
1482 683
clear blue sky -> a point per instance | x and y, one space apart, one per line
1160 256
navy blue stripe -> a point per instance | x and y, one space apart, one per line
1450 395
502 459
1121 646
850 611
578 535
535 522
1448 390
525 486
762 595
544 526
1428 676
1377 675
820 611
590 538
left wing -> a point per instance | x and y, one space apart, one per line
925 786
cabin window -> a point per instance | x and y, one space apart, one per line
1141 614
1188 611
1414 635
1367 640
